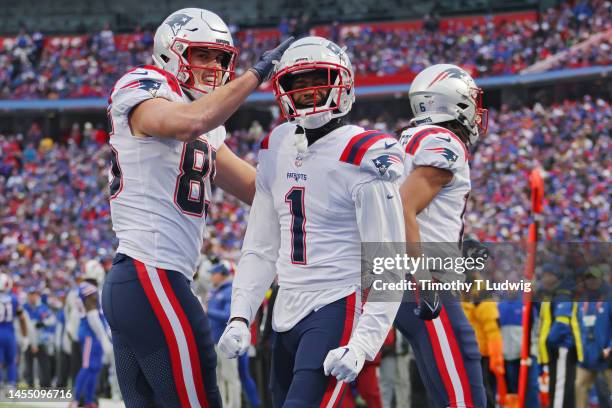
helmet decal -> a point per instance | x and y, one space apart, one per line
178 21
179 35
449 73
443 93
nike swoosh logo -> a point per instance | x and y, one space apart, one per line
447 140
387 145
390 196
344 354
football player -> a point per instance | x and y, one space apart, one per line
448 119
167 147
93 335
9 310
323 187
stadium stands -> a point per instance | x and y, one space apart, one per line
54 204
35 66
65 16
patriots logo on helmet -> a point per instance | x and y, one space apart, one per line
385 161
447 153
178 21
449 73
148 85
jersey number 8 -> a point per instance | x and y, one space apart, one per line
197 163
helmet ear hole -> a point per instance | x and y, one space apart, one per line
164 58
462 105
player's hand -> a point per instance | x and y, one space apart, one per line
264 67
344 363
235 340
475 249
429 305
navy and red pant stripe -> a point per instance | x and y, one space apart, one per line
447 355
297 378
162 341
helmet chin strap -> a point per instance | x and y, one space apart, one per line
301 142
305 136
313 121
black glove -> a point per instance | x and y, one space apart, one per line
264 67
475 249
429 304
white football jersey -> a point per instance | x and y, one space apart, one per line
314 197
310 215
160 187
430 145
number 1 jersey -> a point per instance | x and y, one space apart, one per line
160 188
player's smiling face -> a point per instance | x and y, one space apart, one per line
307 80
207 58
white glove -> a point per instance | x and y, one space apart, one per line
344 363
235 340
107 348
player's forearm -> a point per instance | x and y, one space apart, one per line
187 121
373 326
413 236
235 175
213 109
253 278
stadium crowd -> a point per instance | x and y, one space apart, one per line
88 66
484 50
54 208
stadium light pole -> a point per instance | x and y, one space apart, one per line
537 196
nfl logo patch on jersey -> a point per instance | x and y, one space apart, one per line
385 161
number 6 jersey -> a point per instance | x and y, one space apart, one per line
160 187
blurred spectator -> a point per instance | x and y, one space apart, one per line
595 316
66 67
219 314
54 208
44 321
